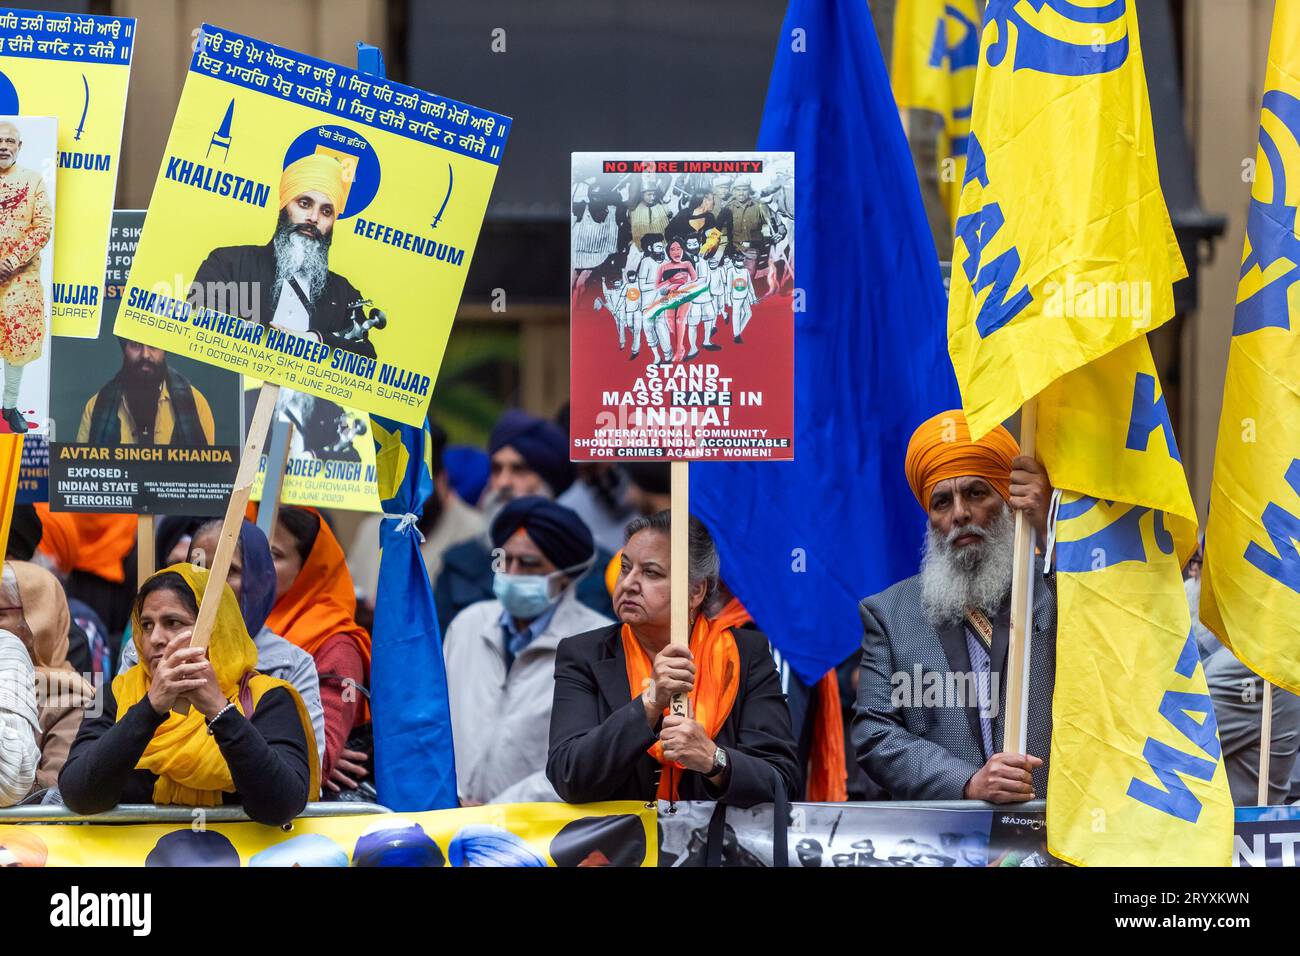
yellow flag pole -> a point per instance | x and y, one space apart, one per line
680 558
1015 724
1265 742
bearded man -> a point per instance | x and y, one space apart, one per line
928 724
147 403
287 283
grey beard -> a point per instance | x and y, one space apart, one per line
296 253
977 576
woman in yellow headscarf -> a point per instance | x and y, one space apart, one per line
246 738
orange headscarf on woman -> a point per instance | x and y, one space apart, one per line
717 679
60 541
941 448
322 601
99 543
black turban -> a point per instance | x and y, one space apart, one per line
557 531
540 443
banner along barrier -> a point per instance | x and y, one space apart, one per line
901 834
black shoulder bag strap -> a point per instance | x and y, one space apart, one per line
780 828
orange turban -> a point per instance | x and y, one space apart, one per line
941 449
318 172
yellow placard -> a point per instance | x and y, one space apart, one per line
11 459
74 67
265 254
331 461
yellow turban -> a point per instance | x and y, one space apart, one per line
941 449
318 172
20 846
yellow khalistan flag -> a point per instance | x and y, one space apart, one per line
1250 594
1064 249
932 68
1136 776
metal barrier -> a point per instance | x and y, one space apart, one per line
1029 806
146 813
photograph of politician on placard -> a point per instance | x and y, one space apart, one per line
28 158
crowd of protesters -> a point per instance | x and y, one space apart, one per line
552 585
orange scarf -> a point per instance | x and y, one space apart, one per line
60 540
717 680
101 543
322 602
828 774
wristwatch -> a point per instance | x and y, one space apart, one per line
719 762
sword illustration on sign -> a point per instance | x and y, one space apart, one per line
443 208
85 108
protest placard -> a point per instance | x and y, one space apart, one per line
682 292
331 459
73 67
312 226
136 429
28 147
34 471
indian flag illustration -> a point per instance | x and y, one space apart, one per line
675 298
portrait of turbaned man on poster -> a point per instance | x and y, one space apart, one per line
287 283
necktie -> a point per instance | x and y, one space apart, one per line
979 637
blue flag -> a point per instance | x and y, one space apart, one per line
415 766
802 542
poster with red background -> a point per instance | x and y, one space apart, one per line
682 307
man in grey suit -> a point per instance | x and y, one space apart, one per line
928 724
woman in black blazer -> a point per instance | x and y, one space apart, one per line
613 741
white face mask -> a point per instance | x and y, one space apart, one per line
527 596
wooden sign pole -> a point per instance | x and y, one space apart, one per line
1016 674
680 559
219 569
248 462
1265 743
146 558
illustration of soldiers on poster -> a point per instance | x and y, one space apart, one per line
682 306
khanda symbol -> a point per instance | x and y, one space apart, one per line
1120 539
451 179
85 108
1271 226
1039 51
